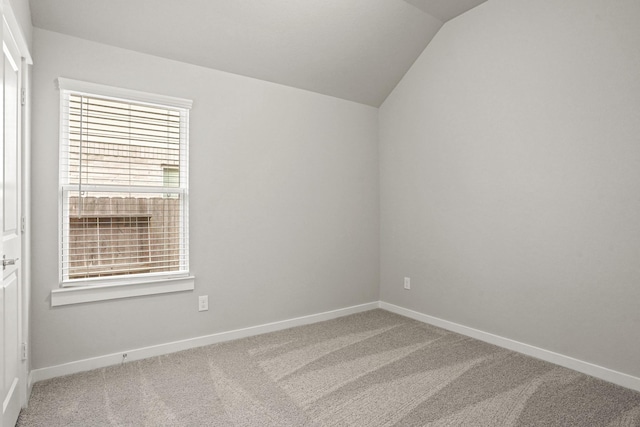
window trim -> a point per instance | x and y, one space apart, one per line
121 93
118 289
104 288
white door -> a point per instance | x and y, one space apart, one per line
10 246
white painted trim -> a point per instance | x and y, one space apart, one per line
603 373
82 294
17 33
172 347
30 382
600 372
121 93
26 229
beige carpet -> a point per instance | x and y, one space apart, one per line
369 369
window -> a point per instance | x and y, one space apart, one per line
123 186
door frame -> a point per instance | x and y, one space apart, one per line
24 135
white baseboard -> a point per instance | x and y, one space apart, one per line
603 373
172 347
600 372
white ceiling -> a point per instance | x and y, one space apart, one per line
351 49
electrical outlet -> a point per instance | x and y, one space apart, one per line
203 303
407 282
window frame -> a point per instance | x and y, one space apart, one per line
71 291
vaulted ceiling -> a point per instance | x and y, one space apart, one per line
352 49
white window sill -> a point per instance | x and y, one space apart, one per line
82 294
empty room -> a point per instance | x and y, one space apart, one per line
320 213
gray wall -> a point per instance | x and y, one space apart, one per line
22 13
509 181
510 177
283 215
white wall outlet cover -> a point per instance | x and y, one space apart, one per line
203 303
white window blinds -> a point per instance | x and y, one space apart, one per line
124 184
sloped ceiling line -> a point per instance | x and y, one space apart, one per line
295 43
